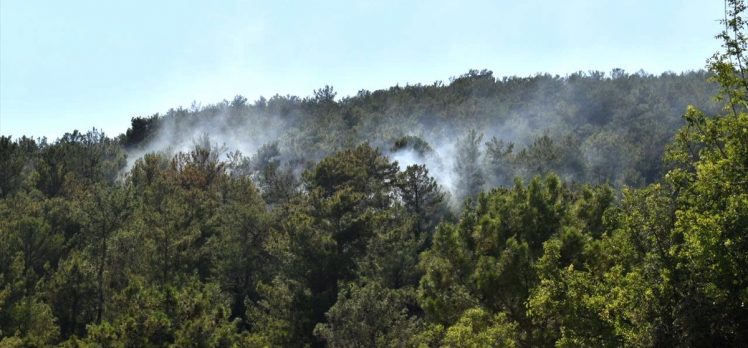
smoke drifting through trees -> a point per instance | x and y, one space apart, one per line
586 127
353 251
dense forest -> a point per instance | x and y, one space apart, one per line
587 210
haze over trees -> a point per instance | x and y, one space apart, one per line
587 210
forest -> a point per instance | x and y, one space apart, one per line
594 209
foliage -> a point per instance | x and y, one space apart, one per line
563 229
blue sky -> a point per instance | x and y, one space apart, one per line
68 65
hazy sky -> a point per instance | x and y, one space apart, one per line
68 65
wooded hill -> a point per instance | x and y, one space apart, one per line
586 210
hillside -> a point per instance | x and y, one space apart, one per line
586 210
587 127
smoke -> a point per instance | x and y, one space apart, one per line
560 125
221 126
439 162
246 130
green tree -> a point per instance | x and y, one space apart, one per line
239 251
73 294
107 210
422 197
191 315
468 166
487 259
30 247
367 316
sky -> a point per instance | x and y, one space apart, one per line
68 65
